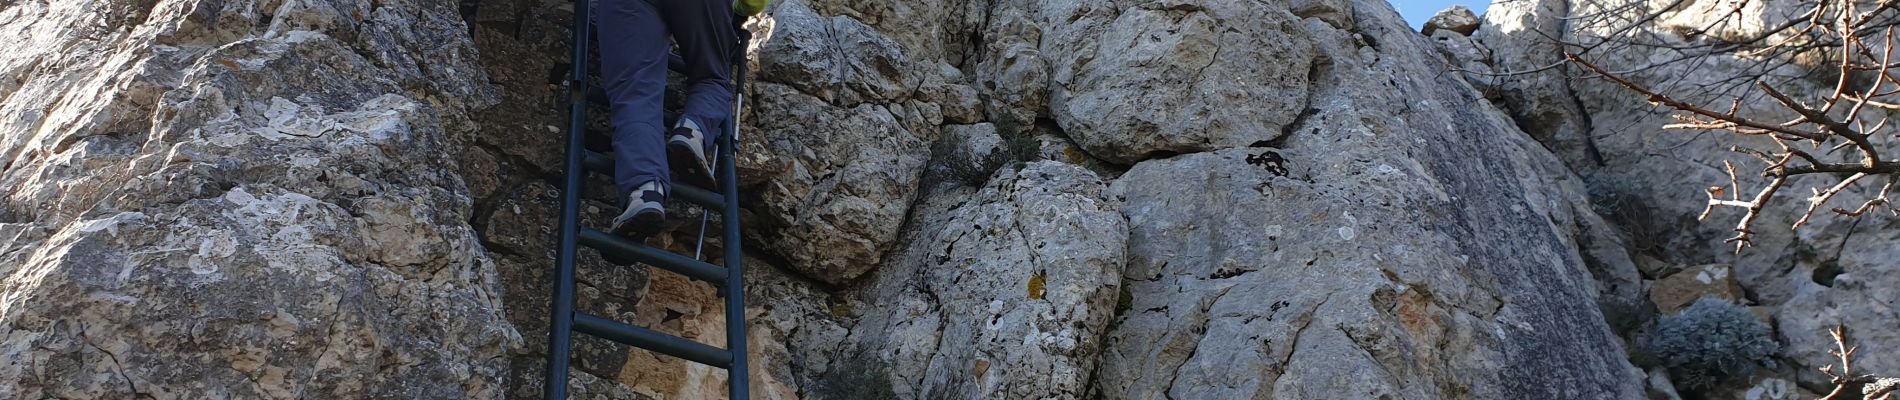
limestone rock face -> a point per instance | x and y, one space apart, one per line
240 199
838 181
839 171
1465 53
1650 181
1006 199
1539 99
1285 273
1304 295
1862 300
1676 292
838 59
969 153
1457 19
1004 294
1130 81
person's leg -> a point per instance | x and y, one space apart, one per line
703 29
633 53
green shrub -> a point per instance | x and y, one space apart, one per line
1708 343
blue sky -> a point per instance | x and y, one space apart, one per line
1417 11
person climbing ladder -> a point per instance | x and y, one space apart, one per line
634 52
635 48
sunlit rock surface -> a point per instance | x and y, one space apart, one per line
943 199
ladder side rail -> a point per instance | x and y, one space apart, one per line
737 376
561 318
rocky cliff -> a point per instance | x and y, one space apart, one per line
1650 181
945 199
214 199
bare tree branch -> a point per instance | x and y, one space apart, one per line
1854 40
1868 387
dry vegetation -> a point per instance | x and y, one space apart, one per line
1833 134
1843 134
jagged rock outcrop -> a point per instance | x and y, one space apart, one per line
845 144
1517 73
236 199
1651 181
1129 81
1003 294
1282 273
1344 118
1457 19
839 184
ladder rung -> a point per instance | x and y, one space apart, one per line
648 339
711 200
614 246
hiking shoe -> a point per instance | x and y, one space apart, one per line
686 148
646 209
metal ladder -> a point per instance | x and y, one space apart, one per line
729 279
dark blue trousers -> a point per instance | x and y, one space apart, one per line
634 50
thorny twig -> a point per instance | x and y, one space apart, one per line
1845 382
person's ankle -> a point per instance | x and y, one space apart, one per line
690 125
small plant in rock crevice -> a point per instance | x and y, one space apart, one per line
1622 203
1709 343
861 377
